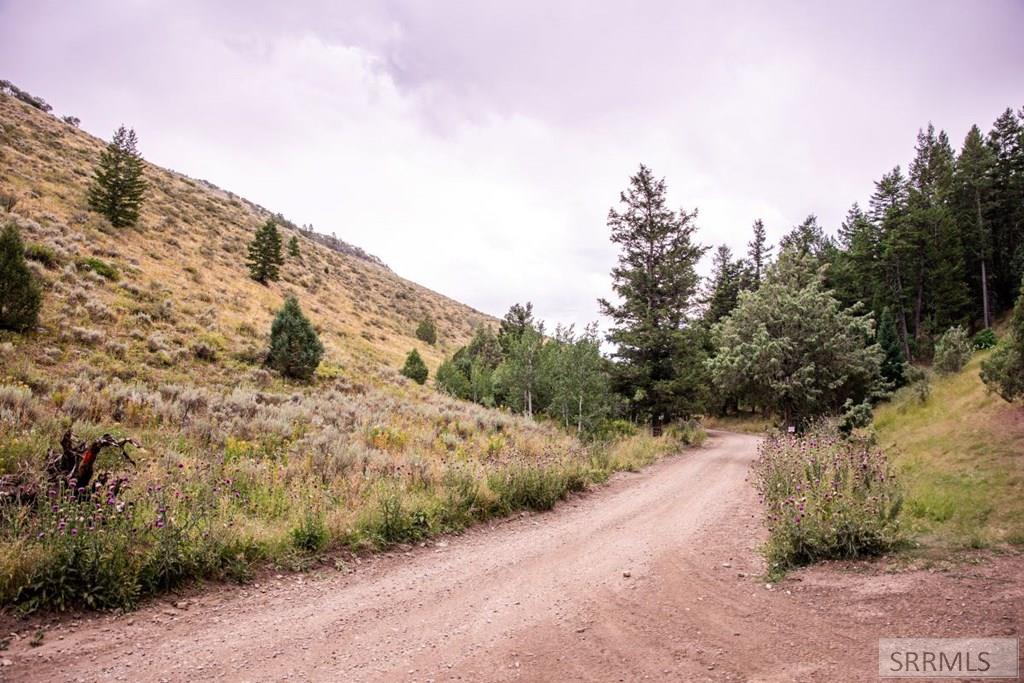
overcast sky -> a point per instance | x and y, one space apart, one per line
477 146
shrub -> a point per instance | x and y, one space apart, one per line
826 497
311 534
855 416
414 368
687 432
101 268
8 201
985 339
20 294
427 331
295 348
952 351
40 253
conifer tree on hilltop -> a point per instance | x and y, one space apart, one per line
265 253
20 294
660 369
118 186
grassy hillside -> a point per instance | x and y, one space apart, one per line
960 454
157 332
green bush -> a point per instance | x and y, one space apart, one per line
311 534
414 368
295 348
40 253
427 331
952 351
687 432
826 497
985 339
101 268
20 294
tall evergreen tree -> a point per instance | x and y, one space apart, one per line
856 272
808 239
293 247
1006 140
20 294
265 253
659 369
759 253
118 186
893 362
724 286
888 211
972 185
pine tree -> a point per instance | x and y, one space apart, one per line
659 368
293 247
856 273
808 239
893 362
725 284
759 252
426 331
888 211
971 202
792 346
414 368
20 294
1006 141
118 186
265 253
295 348
512 326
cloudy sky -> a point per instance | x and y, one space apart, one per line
476 146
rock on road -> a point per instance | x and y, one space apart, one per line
652 576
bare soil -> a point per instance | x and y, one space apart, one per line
655 576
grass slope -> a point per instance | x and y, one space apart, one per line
157 332
960 455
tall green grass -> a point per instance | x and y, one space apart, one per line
959 454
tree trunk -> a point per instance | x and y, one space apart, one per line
579 423
984 273
903 314
984 293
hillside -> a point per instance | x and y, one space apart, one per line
189 249
156 332
960 456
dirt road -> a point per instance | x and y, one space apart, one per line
654 576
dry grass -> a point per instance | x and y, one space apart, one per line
158 332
